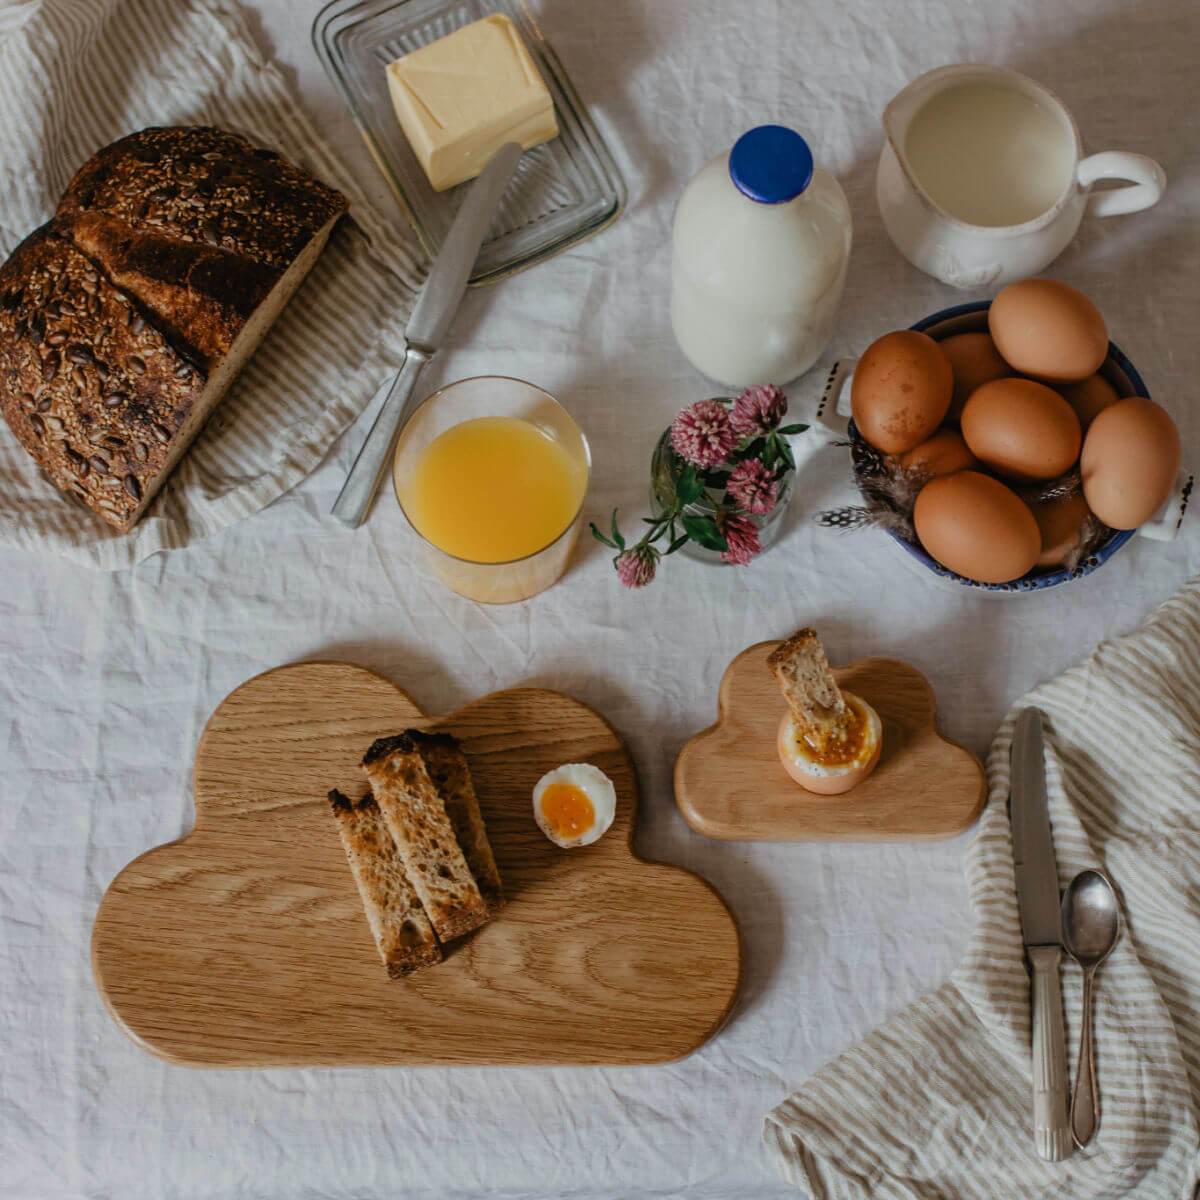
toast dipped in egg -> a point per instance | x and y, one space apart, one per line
829 740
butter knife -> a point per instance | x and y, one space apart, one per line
1041 926
427 328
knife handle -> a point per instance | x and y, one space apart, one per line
1051 1125
357 494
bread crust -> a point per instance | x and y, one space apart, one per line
199 296
402 932
204 185
92 390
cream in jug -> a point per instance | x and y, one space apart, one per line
983 180
990 155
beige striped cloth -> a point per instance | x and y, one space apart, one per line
936 1104
79 74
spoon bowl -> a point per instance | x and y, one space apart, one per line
1091 918
1091 924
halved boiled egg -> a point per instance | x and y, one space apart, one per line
574 804
844 761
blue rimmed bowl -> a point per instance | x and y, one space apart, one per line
972 318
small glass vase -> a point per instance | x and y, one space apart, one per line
665 468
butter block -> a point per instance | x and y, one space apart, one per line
459 99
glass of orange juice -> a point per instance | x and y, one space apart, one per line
491 473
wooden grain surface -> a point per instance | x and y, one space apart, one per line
244 944
730 784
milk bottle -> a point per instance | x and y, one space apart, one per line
761 242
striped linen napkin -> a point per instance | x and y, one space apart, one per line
936 1104
79 74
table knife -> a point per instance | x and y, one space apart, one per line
1041 926
427 328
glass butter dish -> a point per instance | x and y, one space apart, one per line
563 191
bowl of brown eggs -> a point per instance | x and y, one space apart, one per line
1008 445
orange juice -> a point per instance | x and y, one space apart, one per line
493 489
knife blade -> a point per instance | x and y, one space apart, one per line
427 327
1036 872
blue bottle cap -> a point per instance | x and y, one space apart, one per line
771 164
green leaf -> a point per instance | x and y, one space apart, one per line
682 540
771 453
618 540
787 455
787 429
752 449
600 537
688 489
704 531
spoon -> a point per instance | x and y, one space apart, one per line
1091 923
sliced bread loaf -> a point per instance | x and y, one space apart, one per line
402 931
417 819
447 767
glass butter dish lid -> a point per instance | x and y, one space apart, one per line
563 191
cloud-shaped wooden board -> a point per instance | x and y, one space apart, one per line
730 784
244 944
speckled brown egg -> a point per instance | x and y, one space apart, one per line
975 361
1089 398
901 391
1130 460
1049 330
1021 429
1061 523
942 454
973 524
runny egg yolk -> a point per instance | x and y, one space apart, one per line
846 745
567 810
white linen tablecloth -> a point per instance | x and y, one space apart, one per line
106 680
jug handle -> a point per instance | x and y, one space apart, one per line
827 423
1146 178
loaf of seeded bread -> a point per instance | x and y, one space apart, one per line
417 819
802 671
402 931
125 319
451 776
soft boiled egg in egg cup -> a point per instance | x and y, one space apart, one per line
844 762
574 804
829 739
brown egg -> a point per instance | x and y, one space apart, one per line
942 454
1061 523
1089 398
1022 429
1049 330
901 391
976 526
975 361
1130 461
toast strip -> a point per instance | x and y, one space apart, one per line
403 934
448 769
808 686
416 817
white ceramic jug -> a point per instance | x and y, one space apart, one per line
982 179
